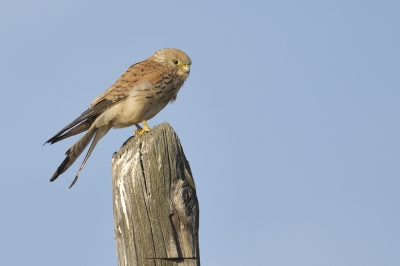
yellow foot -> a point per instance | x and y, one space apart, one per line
145 129
142 132
138 130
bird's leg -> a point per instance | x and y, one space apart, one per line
137 131
146 128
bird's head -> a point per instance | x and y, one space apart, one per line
176 59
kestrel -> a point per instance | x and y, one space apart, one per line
138 95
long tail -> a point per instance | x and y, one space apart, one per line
98 135
74 152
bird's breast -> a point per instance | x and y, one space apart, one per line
144 102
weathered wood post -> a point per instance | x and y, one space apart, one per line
156 212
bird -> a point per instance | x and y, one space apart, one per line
141 92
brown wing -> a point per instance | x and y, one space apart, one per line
84 121
146 70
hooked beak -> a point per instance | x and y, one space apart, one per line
186 68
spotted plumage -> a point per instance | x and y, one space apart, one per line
138 95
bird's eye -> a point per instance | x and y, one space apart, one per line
175 61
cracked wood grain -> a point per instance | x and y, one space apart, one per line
156 211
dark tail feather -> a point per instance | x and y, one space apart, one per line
74 152
76 130
99 134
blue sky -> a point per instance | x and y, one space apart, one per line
289 119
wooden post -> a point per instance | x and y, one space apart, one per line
156 212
